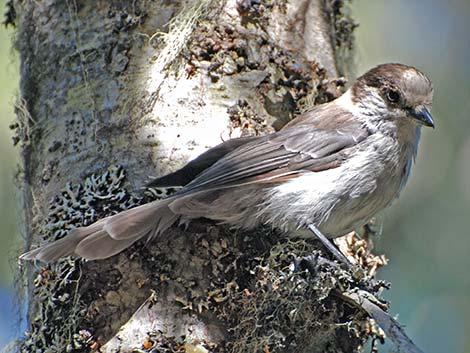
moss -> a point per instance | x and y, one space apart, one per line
60 310
249 282
282 309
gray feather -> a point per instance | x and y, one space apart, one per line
195 167
64 246
101 245
134 221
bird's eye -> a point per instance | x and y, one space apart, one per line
393 96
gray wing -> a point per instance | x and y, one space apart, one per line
277 156
195 167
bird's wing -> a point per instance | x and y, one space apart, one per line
195 167
278 156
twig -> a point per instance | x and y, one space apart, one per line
391 327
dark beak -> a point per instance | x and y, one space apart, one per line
423 116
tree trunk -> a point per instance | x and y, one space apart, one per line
115 91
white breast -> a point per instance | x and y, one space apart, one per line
338 200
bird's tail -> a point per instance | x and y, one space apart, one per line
110 235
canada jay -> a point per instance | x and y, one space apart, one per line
333 167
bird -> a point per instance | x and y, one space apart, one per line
331 168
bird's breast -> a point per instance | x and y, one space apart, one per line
339 200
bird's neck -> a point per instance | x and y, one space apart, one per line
373 113
369 109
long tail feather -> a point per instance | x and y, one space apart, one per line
110 235
100 245
59 248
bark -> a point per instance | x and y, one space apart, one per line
115 91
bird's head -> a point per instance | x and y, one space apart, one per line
394 91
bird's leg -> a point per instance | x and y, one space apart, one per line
311 263
330 246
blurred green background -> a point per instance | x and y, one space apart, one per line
426 233
10 239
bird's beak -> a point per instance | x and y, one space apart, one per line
423 116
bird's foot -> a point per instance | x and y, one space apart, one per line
315 263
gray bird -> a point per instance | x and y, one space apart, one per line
333 167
